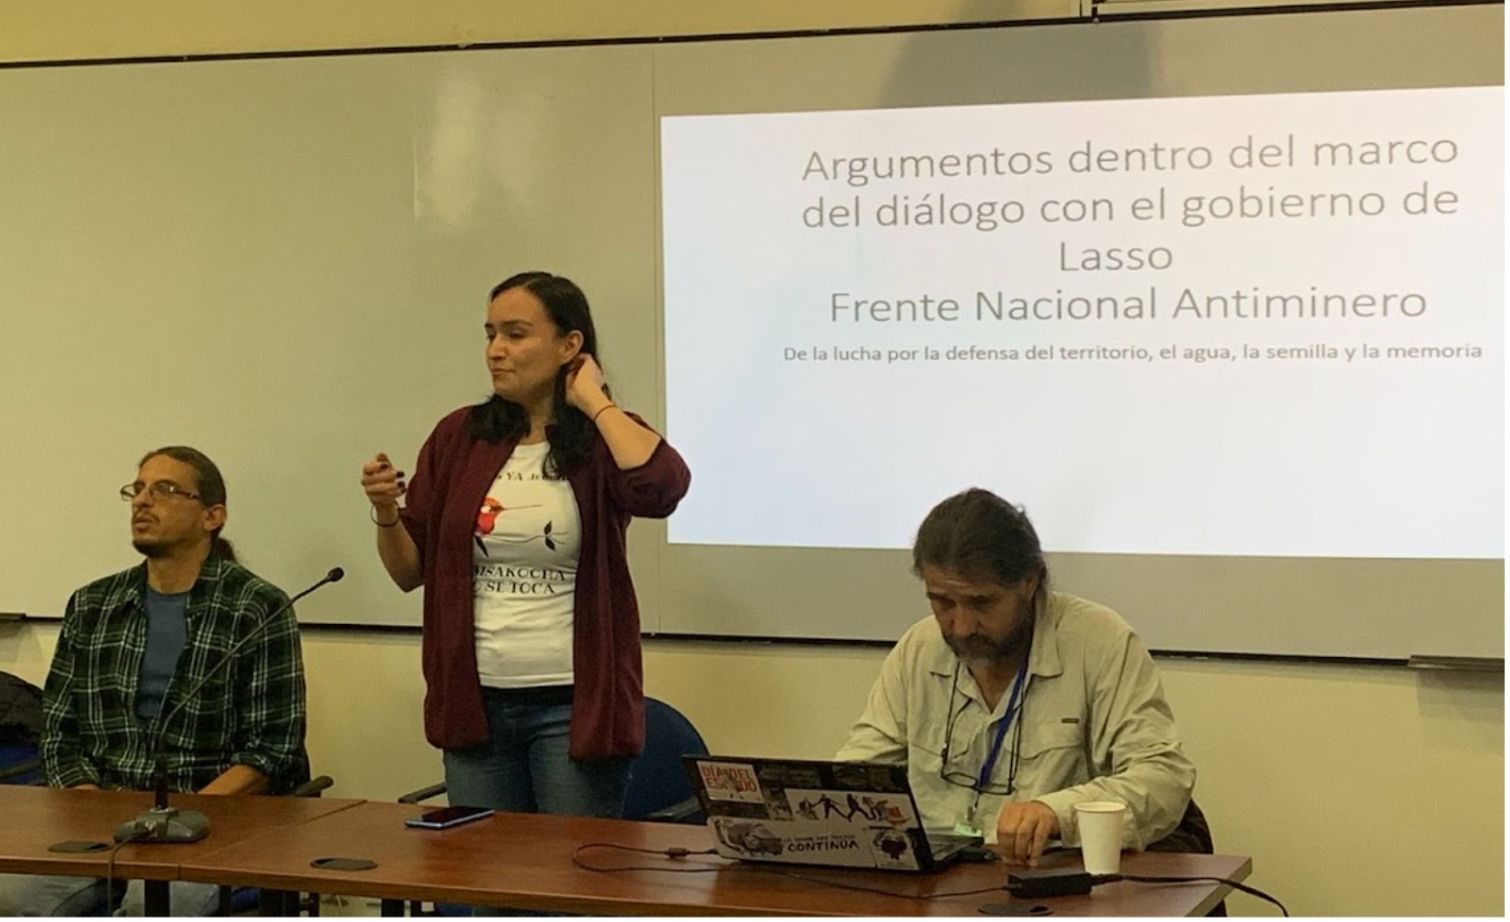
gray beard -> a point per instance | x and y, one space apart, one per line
976 649
980 649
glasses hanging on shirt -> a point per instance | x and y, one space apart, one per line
977 780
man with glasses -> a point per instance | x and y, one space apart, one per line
133 643
1014 703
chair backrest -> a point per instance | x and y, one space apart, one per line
1193 835
656 779
20 730
20 711
20 763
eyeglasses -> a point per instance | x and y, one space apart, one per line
160 490
972 781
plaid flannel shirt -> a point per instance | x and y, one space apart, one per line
251 713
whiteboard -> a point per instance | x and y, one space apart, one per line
283 262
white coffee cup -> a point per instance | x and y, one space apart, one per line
1100 824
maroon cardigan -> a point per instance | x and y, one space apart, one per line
450 482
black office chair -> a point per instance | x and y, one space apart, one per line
1192 836
20 731
20 763
658 789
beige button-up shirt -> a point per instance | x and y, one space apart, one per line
1095 726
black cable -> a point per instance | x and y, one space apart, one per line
864 889
676 854
1236 885
680 853
110 866
673 852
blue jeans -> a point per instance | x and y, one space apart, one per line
42 895
524 768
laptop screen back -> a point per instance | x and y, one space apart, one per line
839 814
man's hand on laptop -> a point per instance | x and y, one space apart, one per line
1023 829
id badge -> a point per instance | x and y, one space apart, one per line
967 830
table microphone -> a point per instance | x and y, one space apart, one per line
163 823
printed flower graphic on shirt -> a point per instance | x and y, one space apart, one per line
487 517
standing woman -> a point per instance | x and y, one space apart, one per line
515 522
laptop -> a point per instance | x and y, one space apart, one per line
829 814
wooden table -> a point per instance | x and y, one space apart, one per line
37 817
525 861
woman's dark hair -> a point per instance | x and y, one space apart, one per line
570 433
207 483
979 533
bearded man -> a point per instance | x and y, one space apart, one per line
1014 703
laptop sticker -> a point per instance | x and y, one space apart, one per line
728 781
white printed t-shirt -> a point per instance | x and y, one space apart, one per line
525 546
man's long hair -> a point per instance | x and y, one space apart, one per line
209 485
977 532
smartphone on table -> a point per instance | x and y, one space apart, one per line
446 817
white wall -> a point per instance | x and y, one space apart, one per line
1356 790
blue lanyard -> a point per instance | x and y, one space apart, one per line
1001 730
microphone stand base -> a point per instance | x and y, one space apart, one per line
165 825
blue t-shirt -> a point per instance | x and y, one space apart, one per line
166 636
